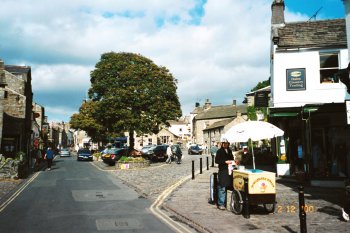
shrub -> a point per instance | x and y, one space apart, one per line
131 159
97 155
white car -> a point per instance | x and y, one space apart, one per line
64 152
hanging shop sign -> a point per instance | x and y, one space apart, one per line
296 79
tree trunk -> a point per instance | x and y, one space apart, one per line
131 140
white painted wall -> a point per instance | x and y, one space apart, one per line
181 130
347 18
315 92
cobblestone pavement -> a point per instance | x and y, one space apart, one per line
189 202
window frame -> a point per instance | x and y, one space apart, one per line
332 69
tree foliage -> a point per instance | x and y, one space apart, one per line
133 94
85 120
261 85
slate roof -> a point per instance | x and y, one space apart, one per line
313 34
17 69
222 111
219 124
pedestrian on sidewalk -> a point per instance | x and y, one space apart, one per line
49 157
214 148
169 153
223 158
33 157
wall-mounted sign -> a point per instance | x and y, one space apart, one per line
296 79
261 99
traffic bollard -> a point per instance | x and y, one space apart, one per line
192 169
207 163
200 165
215 188
212 160
302 214
246 213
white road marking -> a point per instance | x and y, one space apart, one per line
16 194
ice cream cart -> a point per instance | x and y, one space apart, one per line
261 189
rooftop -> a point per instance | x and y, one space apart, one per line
313 34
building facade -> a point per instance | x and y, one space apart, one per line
307 98
16 110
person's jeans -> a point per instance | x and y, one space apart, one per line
49 163
221 195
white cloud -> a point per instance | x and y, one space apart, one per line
62 78
221 56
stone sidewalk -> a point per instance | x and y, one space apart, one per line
190 202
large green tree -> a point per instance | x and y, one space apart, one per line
133 94
85 120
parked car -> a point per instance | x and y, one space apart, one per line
195 150
64 152
112 155
156 153
84 154
146 148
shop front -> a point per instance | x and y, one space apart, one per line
322 132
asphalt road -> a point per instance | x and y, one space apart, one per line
76 197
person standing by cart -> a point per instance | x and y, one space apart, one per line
223 158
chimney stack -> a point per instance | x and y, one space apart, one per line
207 104
2 74
277 8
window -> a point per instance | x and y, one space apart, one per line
150 141
329 65
164 139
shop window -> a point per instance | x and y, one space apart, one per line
329 65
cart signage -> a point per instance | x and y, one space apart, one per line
258 183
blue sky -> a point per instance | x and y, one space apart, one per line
216 49
329 8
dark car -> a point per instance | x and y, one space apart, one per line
195 150
112 155
156 153
84 154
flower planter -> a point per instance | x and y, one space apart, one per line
132 165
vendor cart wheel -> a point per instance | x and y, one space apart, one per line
269 208
236 202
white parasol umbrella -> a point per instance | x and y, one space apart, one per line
254 130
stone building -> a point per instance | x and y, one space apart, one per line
16 109
204 117
212 134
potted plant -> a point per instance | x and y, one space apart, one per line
97 155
